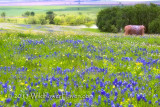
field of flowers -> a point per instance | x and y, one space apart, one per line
63 70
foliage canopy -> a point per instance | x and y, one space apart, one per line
114 19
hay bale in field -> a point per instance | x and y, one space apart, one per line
134 30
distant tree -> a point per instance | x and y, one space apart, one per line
26 14
42 20
32 13
3 14
80 13
50 16
31 20
109 17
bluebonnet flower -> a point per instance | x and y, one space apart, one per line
47 97
15 102
8 100
62 102
59 92
136 88
18 99
143 88
131 89
78 105
99 99
4 85
45 84
90 101
70 104
93 93
112 104
138 97
31 83
103 92
116 93
122 91
156 101
5 91
24 103
84 105
35 84
67 93
87 86
120 83
105 102
107 95
54 105
12 94
115 98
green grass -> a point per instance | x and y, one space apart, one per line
13 11
92 30
81 64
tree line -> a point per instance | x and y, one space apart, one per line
51 18
30 17
114 19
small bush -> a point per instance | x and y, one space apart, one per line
72 20
31 20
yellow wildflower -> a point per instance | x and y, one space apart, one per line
121 103
61 90
141 74
138 63
6 96
21 83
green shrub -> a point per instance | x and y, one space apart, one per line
50 15
2 20
72 20
113 19
114 29
154 26
42 20
31 20
109 17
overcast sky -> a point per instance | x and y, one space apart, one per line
72 0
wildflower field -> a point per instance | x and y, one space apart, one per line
68 70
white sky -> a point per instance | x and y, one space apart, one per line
81 0
135 0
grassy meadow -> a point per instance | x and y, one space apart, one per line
83 70
90 10
75 66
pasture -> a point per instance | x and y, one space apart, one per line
90 10
79 69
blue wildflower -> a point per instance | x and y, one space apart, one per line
8 100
